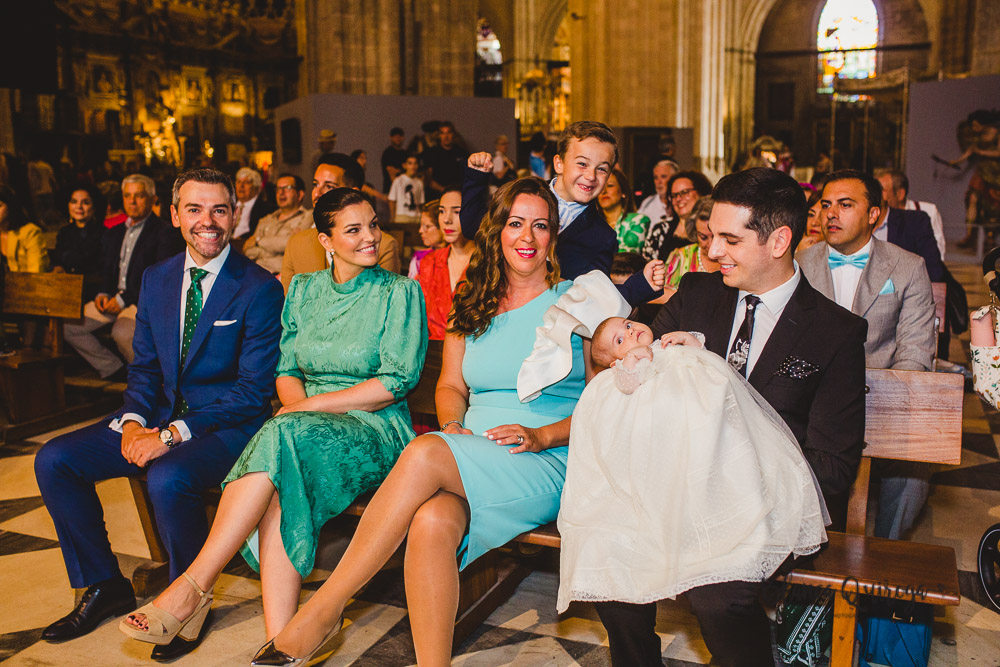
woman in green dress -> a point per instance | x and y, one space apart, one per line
353 344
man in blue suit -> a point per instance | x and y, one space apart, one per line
206 346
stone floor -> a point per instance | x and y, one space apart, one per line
964 501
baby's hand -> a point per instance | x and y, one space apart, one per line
481 162
679 338
655 274
633 356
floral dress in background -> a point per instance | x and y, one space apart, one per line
631 230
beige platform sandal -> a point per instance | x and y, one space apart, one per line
163 627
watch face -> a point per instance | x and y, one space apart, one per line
166 437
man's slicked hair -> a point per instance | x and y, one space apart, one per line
587 129
873 189
209 176
774 199
354 175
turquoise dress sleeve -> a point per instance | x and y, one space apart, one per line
401 353
289 330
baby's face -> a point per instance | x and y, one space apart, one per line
621 335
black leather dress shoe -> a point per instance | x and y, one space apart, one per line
114 597
180 646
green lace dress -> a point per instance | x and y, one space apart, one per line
335 336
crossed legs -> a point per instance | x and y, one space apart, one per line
423 496
247 503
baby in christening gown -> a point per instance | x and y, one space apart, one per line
679 475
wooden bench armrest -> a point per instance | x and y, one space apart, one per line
883 568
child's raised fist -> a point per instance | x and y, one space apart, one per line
481 162
655 274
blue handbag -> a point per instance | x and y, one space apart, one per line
896 634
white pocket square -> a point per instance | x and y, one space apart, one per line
224 323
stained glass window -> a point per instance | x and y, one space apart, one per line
846 24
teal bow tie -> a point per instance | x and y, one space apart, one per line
838 260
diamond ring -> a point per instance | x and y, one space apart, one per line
520 439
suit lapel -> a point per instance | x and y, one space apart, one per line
873 278
168 336
785 335
721 322
226 285
822 276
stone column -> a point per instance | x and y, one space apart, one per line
624 58
6 122
986 49
447 46
349 46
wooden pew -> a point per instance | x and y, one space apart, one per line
910 416
32 382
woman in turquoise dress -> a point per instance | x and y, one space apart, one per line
497 466
352 346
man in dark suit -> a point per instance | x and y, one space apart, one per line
801 351
911 231
206 346
127 251
252 203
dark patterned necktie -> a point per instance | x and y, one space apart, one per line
192 311
740 351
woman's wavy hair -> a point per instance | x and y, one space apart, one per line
478 297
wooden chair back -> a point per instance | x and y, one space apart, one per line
910 416
45 294
57 296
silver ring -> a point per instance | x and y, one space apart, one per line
520 439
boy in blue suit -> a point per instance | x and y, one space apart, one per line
206 346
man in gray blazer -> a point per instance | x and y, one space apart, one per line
889 287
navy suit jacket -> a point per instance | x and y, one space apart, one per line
228 376
156 242
588 243
912 231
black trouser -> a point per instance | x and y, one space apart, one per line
733 625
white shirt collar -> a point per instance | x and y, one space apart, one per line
131 224
213 265
568 210
777 298
867 248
